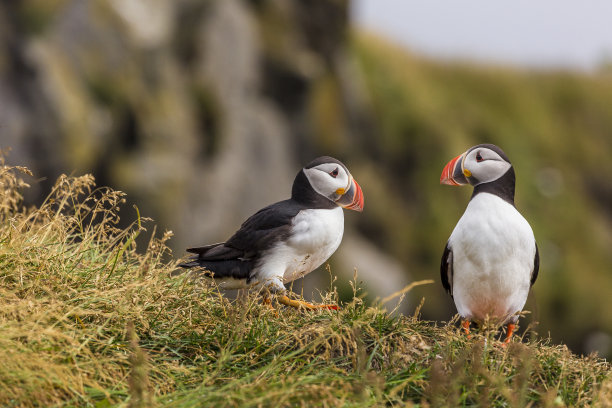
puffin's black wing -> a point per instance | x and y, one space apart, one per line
446 269
536 266
266 227
236 257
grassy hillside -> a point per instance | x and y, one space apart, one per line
85 320
555 126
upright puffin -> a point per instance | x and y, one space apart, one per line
286 240
491 259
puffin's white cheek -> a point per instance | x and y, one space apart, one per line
320 181
489 170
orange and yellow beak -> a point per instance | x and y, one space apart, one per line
352 199
453 173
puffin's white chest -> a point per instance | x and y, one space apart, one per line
493 253
315 236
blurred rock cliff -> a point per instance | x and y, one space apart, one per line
202 111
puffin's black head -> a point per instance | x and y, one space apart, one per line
326 182
484 166
479 164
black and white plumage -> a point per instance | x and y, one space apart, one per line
286 240
491 259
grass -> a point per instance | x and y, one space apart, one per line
86 320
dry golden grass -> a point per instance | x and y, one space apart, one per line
86 320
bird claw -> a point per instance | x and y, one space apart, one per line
466 328
511 327
299 304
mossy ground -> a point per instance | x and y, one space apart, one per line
86 320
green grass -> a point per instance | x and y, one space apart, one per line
86 320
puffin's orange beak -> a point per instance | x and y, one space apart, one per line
353 198
453 173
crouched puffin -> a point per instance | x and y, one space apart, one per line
286 240
491 258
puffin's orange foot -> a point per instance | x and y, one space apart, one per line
268 303
466 328
511 327
305 305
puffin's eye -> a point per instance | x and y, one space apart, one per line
334 173
479 157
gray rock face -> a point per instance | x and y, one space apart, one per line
253 163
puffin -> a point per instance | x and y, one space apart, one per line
288 239
491 259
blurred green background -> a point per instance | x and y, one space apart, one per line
203 112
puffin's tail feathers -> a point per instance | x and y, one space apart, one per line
193 262
216 252
233 268
219 261
202 250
